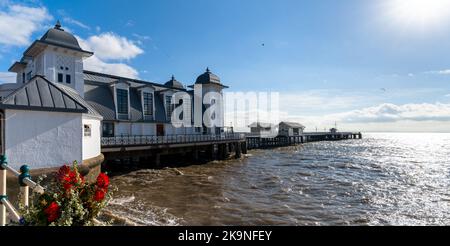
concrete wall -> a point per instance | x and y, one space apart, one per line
42 139
91 144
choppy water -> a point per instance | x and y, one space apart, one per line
383 179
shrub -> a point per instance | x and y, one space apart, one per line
69 200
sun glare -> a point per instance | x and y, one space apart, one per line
425 13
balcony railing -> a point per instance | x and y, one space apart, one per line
169 139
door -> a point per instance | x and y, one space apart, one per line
160 130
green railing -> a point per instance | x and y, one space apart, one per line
139 140
25 183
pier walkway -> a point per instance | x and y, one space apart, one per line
149 149
256 142
137 147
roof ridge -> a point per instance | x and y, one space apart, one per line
50 85
61 90
139 81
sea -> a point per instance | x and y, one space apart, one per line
382 179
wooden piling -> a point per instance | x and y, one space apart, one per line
238 150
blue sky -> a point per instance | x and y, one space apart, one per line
362 63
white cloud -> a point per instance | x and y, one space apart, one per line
440 72
411 117
6 77
110 46
388 112
97 64
76 22
70 20
429 117
120 69
18 23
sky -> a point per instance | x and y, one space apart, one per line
366 65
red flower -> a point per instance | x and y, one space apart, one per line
52 212
99 195
67 177
63 172
103 181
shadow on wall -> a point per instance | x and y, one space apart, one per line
42 139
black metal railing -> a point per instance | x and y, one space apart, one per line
138 140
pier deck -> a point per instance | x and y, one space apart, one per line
256 142
151 148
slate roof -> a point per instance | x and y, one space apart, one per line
208 78
96 77
74 94
101 99
57 36
293 124
42 95
174 83
98 93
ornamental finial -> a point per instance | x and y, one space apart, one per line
58 25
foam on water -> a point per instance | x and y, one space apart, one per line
383 179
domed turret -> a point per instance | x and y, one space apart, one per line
174 83
208 78
57 36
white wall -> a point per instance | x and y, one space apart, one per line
122 128
146 129
50 61
91 144
42 139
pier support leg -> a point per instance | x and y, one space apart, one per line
238 150
222 150
157 160
195 154
211 152
244 148
231 147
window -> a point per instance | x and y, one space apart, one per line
87 131
148 104
122 103
23 78
107 129
68 79
29 76
169 107
60 77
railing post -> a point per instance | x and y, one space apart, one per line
24 188
3 190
